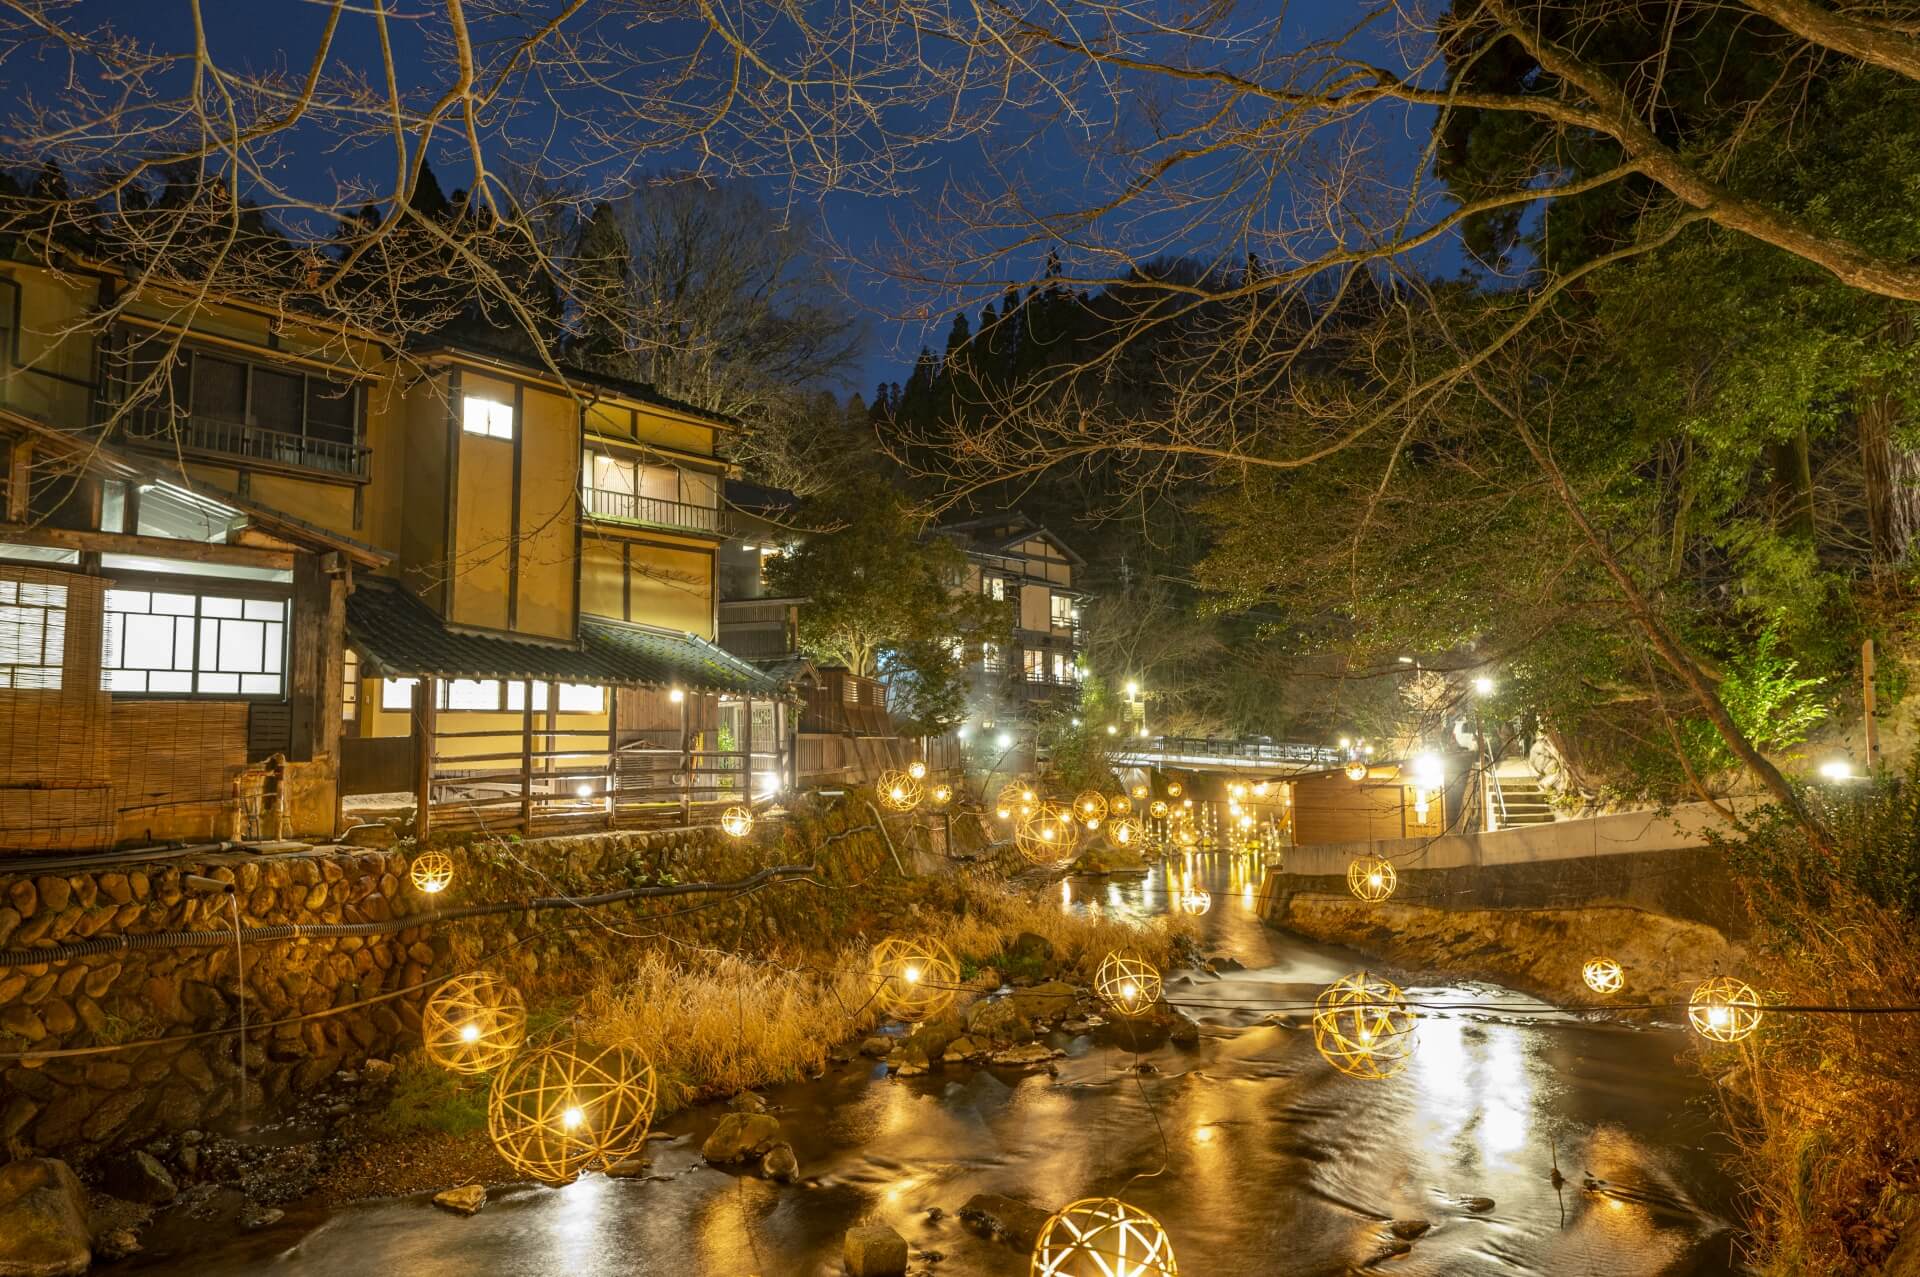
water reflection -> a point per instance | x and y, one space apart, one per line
1246 1145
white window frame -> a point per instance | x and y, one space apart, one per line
207 640
33 635
1062 618
488 418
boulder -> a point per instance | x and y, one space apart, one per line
139 1177
747 1102
43 1220
1030 946
630 1167
874 1250
1049 1001
464 1200
253 1217
740 1136
780 1164
910 1061
877 1047
1408 1229
1025 1056
1005 1219
998 1021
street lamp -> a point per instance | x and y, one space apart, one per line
1483 685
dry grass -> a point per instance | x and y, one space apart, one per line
717 1023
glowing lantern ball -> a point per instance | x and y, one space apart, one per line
1187 836
1724 1009
912 979
1127 983
1371 878
1091 807
1173 789
431 871
1124 832
1195 902
1357 770
1604 975
473 1023
1139 792
1363 1026
917 769
899 791
1102 1237
940 795
1047 836
736 822
1119 805
559 1110
1158 810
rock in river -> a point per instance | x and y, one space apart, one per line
1005 1219
740 1136
464 1200
874 1250
138 1177
43 1220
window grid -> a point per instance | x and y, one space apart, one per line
487 417
33 635
173 643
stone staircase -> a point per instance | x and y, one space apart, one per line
1525 801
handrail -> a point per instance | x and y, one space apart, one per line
608 503
203 432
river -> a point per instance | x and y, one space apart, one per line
1255 1156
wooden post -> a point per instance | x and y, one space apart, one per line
746 748
686 761
423 706
526 754
613 750
19 480
1868 704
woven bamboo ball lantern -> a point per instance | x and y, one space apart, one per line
558 1110
912 979
431 871
1603 975
473 1023
1195 902
1173 789
899 791
1125 832
1102 1237
1127 983
1363 1026
1119 805
1047 836
1724 1009
1357 769
736 822
1371 878
917 769
1139 792
940 794
1158 810
1091 806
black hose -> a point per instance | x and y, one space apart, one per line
326 930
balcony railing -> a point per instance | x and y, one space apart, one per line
218 436
605 503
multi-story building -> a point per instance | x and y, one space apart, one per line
255 568
1014 560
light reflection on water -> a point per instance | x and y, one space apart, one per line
1274 1163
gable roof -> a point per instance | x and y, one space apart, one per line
1001 534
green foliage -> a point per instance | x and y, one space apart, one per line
1768 698
428 1100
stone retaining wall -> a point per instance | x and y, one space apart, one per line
110 1098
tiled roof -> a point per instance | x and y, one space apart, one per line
402 634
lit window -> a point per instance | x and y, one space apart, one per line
33 634
396 693
159 641
994 587
580 698
1063 611
1061 668
1034 662
517 696
350 687
487 417
469 693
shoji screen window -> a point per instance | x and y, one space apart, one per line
174 643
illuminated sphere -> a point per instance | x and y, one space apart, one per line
1363 1026
1047 836
1724 1009
1260 789
898 791
1091 806
736 822
1357 770
1187 836
1124 832
1119 805
1102 1237
1195 902
1003 813
1139 792
473 1023
1236 791
1158 810
1603 975
1371 878
1173 789
917 769
940 795
1127 983
912 979
431 871
558 1110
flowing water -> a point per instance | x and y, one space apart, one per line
1256 1156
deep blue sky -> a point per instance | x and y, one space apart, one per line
262 33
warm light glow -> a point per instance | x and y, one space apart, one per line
899 790
1004 741
431 871
572 1118
1173 789
1604 975
1363 1026
1195 902
917 769
1047 835
912 979
1112 730
1236 791
1127 982
1356 770
1119 805
1003 813
1260 790
537 1109
1724 1009
473 1023
1428 771
1158 810
1372 878
1836 769
1102 1237
676 696
736 822
940 795
1133 689
583 791
1123 832
1139 792
1483 685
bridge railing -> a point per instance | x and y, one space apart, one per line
1294 753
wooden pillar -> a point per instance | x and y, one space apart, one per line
1867 703
526 754
424 695
19 480
746 747
613 750
686 760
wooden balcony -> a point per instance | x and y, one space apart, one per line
199 436
628 507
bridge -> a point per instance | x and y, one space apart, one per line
1216 754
